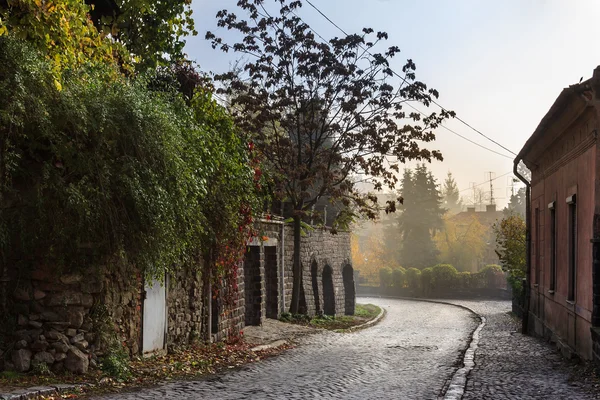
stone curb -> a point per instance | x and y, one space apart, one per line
269 346
37 391
458 383
367 324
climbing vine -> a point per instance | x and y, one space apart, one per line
109 167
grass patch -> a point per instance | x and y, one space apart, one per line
366 310
362 313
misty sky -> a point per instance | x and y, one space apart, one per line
499 64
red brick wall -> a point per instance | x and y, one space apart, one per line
565 166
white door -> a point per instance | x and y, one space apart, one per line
155 318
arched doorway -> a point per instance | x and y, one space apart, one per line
349 289
253 286
314 272
328 292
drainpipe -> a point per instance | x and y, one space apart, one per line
527 279
282 269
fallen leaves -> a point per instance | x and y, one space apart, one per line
181 364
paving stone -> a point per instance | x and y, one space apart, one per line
408 355
510 365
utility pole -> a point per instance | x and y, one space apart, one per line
491 177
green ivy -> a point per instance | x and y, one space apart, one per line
108 167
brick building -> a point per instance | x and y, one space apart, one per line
564 221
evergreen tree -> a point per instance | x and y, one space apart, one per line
516 206
452 201
420 218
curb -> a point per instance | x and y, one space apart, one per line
367 324
458 383
37 391
269 346
281 342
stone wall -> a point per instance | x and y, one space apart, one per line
184 305
321 248
53 321
67 321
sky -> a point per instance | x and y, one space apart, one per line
498 64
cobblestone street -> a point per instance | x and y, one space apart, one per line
410 354
509 365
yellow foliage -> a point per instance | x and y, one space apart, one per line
368 257
462 242
60 29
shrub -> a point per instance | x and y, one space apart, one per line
427 279
413 278
116 362
398 277
444 276
466 280
492 276
385 277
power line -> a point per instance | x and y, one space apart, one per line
461 136
410 105
405 81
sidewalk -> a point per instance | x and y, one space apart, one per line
274 333
269 337
510 365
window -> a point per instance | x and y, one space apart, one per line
552 207
537 246
571 201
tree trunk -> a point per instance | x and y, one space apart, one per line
297 270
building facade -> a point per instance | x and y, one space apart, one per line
564 220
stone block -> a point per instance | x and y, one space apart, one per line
49 316
38 294
21 344
76 362
61 347
39 345
77 338
65 299
75 317
71 279
35 324
71 333
82 345
58 357
21 360
87 300
44 357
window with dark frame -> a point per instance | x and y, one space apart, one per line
537 246
571 201
552 207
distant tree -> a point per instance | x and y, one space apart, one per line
516 206
462 241
511 249
420 218
367 258
324 114
452 200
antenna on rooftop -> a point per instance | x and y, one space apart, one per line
491 176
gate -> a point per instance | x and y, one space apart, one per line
155 318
